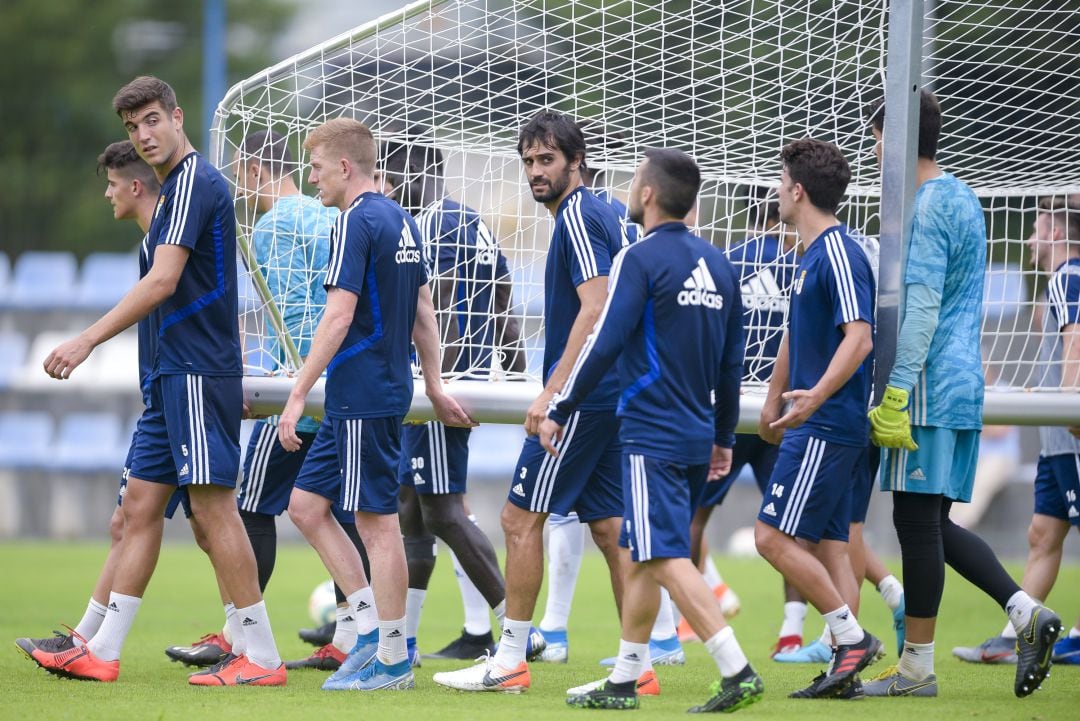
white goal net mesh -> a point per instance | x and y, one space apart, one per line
730 83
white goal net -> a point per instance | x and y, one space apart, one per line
730 83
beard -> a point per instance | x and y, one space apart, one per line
557 187
636 213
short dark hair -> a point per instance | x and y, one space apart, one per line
929 121
270 148
676 179
403 158
141 91
820 168
761 202
121 157
555 130
1064 212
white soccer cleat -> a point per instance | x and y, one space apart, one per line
486 676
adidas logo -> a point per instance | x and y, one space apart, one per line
407 250
418 480
248 621
114 607
631 657
508 633
844 616
185 470
762 292
394 634
1073 513
363 606
348 619
519 490
769 510
700 289
917 475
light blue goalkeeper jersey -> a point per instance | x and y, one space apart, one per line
947 254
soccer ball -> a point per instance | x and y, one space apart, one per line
322 604
741 544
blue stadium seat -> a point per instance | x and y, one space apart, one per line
12 354
43 280
25 439
89 442
528 293
494 449
5 274
105 278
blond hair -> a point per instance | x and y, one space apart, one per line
347 138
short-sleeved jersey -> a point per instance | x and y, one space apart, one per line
587 236
1062 309
292 246
765 271
833 286
630 228
147 331
459 247
375 253
947 253
673 319
197 328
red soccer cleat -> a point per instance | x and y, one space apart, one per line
77 663
648 684
786 644
239 671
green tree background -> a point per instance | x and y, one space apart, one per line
63 62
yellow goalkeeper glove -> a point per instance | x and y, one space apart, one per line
890 423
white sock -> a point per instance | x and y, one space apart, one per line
500 612
794 619
826 636
108 642
515 636
630 662
235 635
477 617
258 636
712 573
414 606
892 591
917 660
392 647
566 545
1008 632
362 602
91 621
726 652
664 627
845 628
344 629
1074 632
1019 607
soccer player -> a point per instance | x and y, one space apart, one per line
674 322
932 447
471 291
189 434
1054 247
377 299
587 235
822 371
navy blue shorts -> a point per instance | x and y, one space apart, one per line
354 461
584 477
865 483
810 492
750 450
178 498
658 497
1057 487
434 458
189 434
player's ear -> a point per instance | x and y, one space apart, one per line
136 187
178 117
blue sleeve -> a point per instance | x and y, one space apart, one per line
502 270
421 245
350 247
922 306
622 312
193 205
588 243
850 282
928 246
1064 295
729 381
445 245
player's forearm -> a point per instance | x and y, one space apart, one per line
778 382
1070 354
857 343
329 336
150 292
922 306
426 339
579 333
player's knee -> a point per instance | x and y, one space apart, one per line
443 514
199 532
307 513
1044 537
606 535
116 526
420 549
517 524
767 540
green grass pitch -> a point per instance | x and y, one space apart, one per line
46 584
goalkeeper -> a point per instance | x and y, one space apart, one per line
929 422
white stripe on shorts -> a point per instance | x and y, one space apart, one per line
255 481
351 476
549 468
198 456
639 496
804 483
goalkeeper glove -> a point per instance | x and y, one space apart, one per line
890 423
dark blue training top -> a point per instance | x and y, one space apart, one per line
765 271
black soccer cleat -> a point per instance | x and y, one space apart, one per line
466 647
55 644
613 696
320 636
848 661
734 693
1034 648
207 651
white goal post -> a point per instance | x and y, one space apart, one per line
730 83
